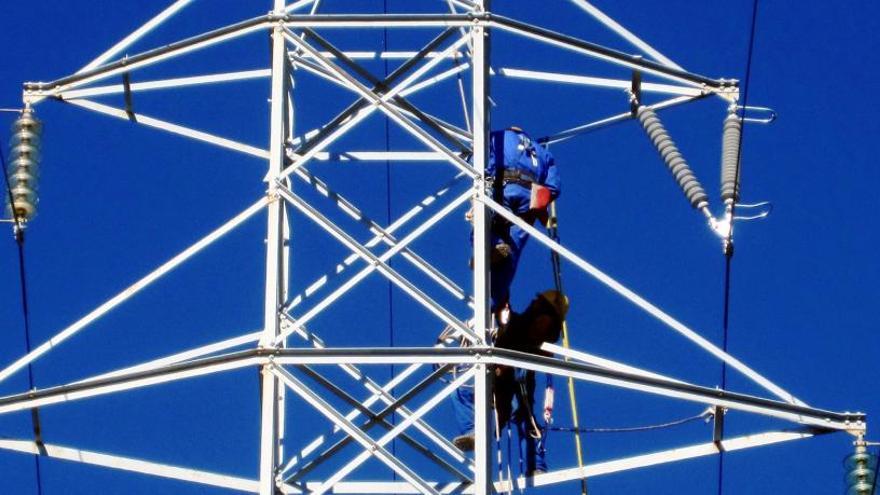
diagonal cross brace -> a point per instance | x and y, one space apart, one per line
380 103
379 263
377 419
372 448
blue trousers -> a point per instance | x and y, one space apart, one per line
509 408
516 199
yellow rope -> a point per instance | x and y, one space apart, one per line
552 224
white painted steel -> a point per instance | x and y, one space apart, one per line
180 82
136 35
374 260
380 103
642 303
594 54
132 290
390 435
272 415
374 241
173 128
136 382
602 362
302 320
372 448
658 458
625 33
614 119
598 81
130 464
481 219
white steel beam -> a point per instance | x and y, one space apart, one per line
379 102
601 82
272 414
373 260
354 280
372 448
614 119
136 35
642 303
625 33
390 435
172 128
374 241
658 458
132 290
180 82
602 362
479 42
130 464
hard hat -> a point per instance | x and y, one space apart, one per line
557 300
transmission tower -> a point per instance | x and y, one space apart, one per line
293 359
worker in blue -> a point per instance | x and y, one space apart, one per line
514 388
524 179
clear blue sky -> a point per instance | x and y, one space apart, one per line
118 199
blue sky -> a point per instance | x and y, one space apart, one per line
119 199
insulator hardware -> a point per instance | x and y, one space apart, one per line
730 150
675 162
24 154
861 471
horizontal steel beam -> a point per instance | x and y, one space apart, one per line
471 355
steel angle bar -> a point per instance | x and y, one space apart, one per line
130 464
132 289
378 20
372 448
662 457
354 212
369 257
298 5
606 54
383 258
381 103
361 109
402 426
187 355
406 108
625 33
597 81
791 412
376 419
377 393
615 119
172 128
400 102
134 62
103 386
642 303
397 224
179 82
602 362
136 35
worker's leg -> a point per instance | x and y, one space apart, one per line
463 405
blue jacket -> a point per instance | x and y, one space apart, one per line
521 153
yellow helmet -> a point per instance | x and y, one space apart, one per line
557 300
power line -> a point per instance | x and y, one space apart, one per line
22 276
729 253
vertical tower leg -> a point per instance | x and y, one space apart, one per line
271 404
482 382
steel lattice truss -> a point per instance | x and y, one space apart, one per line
462 32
